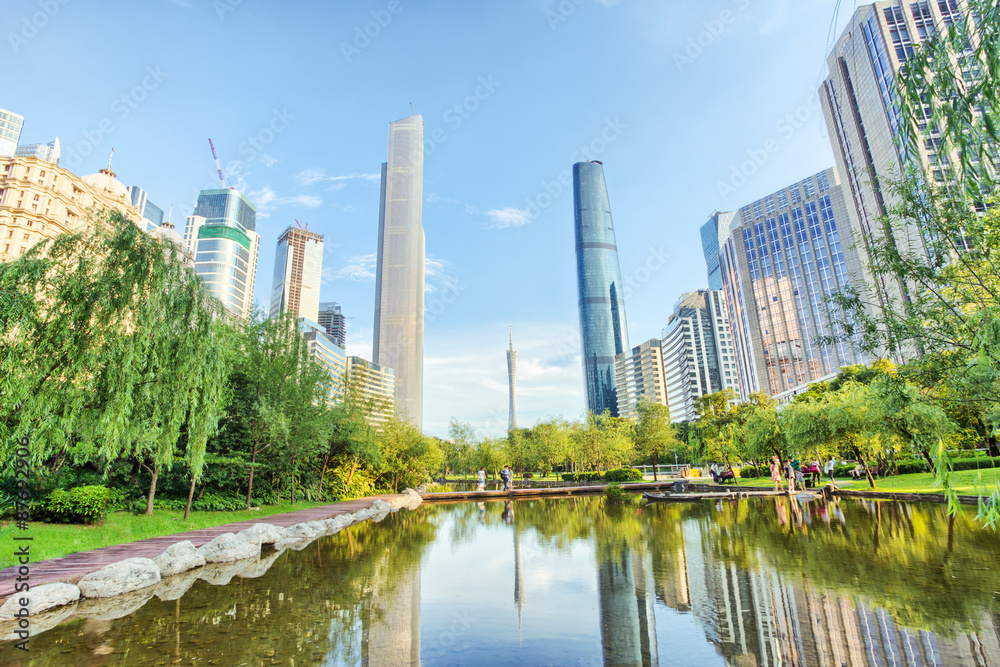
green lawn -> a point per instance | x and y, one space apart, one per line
964 482
54 540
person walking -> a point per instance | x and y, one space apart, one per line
506 475
776 474
828 469
481 480
790 474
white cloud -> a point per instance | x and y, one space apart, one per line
434 198
314 176
509 217
436 276
359 268
266 200
268 160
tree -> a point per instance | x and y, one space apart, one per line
655 436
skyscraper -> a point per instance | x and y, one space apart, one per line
698 354
298 268
152 215
638 375
713 234
222 235
603 329
511 377
331 319
864 121
784 258
10 132
399 274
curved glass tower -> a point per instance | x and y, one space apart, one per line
602 301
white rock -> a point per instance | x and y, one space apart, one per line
258 567
227 548
172 588
262 533
318 526
300 531
124 576
39 599
39 624
220 574
179 557
413 499
119 606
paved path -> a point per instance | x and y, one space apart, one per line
70 568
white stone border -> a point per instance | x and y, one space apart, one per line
119 589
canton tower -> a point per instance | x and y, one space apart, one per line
511 373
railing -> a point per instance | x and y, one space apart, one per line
671 470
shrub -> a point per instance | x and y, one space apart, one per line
976 463
84 504
623 475
592 476
749 472
911 466
614 494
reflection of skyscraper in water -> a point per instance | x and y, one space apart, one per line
391 633
628 624
519 592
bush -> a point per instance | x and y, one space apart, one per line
911 466
976 463
623 475
615 495
84 504
749 472
592 476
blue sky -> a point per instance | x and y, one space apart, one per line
672 96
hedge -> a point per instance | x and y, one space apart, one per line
618 475
83 504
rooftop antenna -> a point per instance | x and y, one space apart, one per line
170 215
218 165
511 325
110 157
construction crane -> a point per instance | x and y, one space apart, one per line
218 165
304 228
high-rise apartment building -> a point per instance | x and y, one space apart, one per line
334 322
298 269
376 385
330 356
864 122
713 234
512 383
221 234
638 375
697 350
399 273
152 215
786 255
10 132
603 330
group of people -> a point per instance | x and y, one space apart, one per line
795 473
506 476
723 475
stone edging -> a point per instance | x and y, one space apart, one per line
121 588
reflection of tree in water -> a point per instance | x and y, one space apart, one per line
324 601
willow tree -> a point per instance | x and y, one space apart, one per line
109 350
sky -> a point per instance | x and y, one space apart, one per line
677 98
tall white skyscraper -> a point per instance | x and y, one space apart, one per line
399 275
512 382
298 269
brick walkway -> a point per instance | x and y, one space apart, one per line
70 568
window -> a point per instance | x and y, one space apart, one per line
6 248
27 237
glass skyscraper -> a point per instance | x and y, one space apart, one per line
10 132
298 268
222 236
399 274
603 331
152 215
713 235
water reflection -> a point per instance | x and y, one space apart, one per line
776 581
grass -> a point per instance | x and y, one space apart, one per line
964 481
53 540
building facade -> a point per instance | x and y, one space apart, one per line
10 132
713 234
512 384
376 385
864 122
298 272
603 329
697 349
399 273
329 355
785 256
334 322
638 375
152 215
221 234
40 200
49 152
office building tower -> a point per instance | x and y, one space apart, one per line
221 234
512 384
331 319
603 330
638 375
329 355
40 200
786 255
298 269
152 215
10 132
697 350
399 273
49 152
864 122
713 235
375 386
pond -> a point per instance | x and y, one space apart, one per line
765 581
